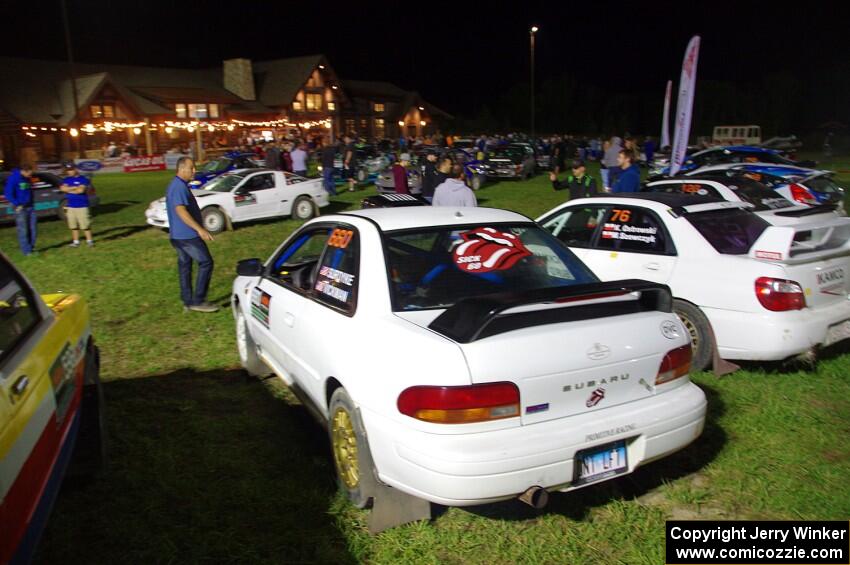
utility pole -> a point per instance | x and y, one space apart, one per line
75 119
532 32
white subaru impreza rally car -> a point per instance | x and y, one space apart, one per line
505 366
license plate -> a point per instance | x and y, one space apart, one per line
601 462
837 332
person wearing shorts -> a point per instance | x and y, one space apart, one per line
77 214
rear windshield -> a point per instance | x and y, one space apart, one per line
436 267
823 184
759 195
731 232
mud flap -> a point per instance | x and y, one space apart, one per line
391 508
720 366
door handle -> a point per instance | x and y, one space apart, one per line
653 266
289 319
19 387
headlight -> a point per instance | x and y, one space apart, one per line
319 168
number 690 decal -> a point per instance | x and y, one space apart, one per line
340 238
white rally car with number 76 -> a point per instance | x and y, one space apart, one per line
505 367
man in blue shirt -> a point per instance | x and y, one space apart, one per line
76 187
18 193
629 178
187 234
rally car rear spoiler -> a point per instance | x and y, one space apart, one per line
475 318
803 243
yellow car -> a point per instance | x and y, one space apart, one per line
50 403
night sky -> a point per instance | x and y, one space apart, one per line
459 55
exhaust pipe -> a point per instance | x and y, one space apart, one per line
536 497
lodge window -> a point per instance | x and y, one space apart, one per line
180 110
364 125
380 127
331 106
349 125
197 110
314 101
213 110
296 105
102 111
379 108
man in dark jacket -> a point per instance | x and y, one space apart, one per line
429 176
18 193
628 180
273 160
579 183
327 157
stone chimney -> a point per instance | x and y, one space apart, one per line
239 78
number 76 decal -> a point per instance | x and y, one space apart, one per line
621 216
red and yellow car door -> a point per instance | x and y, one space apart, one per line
42 363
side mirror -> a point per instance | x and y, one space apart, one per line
249 267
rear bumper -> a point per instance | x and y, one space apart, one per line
469 469
774 336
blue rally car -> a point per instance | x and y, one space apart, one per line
728 154
227 162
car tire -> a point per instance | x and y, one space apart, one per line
476 182
702 338
355 470
214 220
303 208
90 454
247 349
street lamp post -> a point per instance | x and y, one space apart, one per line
532 32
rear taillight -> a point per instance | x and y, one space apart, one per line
460 404
780 295
677 363
800 194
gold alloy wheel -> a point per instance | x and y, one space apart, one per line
691 330
345 448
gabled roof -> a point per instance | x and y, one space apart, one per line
406 99
278 81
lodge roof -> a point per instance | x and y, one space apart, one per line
38 91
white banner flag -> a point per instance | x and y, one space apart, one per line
684 106
665 120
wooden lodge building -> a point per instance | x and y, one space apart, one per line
157 109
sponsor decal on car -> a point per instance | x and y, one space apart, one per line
63 375
759 254
831 282
595 397
611 432
486 249
260 303
337 276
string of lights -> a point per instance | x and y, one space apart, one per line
169 126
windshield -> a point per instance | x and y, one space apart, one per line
731 232
507 153
224 183
216 165
823 183
436 267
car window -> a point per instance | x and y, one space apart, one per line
757 194
732 232
336 277
259 182
294 264
436 267
224 183
292 178
216 165
695 188
575 226
634 229
19 313
824 184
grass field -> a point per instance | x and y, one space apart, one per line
207 465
